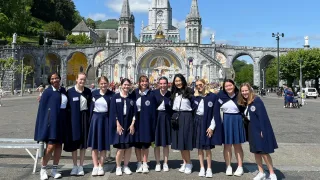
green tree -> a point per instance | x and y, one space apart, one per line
56 30
245 75
27 70
271 74
90 23
79 39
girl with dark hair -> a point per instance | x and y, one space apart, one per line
163 126
262 140
50 123
234 133
98 138
182 130
79 98
145 115
208 127
122 124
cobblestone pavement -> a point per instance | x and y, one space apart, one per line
297 132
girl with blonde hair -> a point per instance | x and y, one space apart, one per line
262 140
208 128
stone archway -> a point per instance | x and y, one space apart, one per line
264 63
28 60
77 62
53 63
160 62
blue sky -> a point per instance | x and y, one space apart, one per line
234 22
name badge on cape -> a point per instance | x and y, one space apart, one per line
131 102
118 100
220 101
196 102
75 99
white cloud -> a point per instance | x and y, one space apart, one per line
136 6
98 16
181 24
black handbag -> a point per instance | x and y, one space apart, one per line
175 118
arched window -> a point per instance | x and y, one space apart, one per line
190 36
124 35
195 35
129 36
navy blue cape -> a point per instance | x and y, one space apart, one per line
260 122
166 98
48 113
145 119
116 113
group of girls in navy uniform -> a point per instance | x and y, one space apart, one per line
183 118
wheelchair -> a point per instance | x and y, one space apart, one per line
294 104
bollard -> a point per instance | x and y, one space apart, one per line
41 150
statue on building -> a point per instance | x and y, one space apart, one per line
99 72
14 38
220 73
107 37
306 40
213 38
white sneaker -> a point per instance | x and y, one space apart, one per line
119 171
74 171
127 170
100 171
158 168
260 176
182 168
55 174
273 177
139 167
209 173
165 167
145 168
202 172
188 169
229 171
80 171
43 174
95 171
239 171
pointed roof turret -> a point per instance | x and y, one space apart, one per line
125 12
194 10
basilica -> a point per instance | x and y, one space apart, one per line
158 51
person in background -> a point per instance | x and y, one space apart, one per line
234 132
99 131
285 91
303 98
163 124
262 140
92 87
80 98
40 89
122 124
205 124
50 127
1 94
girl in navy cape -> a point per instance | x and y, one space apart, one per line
234 132
205 124
98 138
122 123
182 134
145 116
79 98
262 140
163 124
50 123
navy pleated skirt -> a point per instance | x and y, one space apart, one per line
182 137
163 129
70 145
234 132
199 134
99 130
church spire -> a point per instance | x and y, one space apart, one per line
125 12
194 10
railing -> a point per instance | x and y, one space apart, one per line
109 57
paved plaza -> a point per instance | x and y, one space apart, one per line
297 132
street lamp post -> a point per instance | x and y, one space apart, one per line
263 78
44 53
278 35
301 61
22 76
